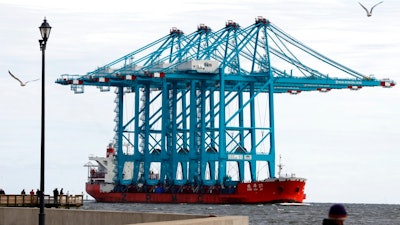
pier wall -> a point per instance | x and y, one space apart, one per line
18 216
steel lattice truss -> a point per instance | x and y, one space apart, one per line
202 103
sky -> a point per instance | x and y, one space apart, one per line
344 142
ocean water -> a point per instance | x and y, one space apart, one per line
314 213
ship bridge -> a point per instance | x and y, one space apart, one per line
197 100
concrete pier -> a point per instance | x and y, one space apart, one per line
64 201
17 216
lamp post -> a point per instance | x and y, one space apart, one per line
45 29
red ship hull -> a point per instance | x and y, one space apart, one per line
269 191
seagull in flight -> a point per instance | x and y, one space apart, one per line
22 83
369 13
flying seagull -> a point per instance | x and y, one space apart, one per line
22 83
369 13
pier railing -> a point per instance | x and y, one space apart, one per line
64 201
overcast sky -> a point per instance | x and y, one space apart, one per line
346 143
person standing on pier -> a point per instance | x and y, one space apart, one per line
55 193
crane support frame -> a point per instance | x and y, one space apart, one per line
203 103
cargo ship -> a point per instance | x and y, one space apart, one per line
102 187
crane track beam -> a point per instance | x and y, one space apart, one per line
281 84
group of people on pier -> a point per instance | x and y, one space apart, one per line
55 192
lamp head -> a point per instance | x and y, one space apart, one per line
45 29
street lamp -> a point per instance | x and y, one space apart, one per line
45 29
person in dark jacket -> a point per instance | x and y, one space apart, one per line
337 215
55 193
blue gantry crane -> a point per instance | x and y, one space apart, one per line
203 102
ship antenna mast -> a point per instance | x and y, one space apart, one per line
280 166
